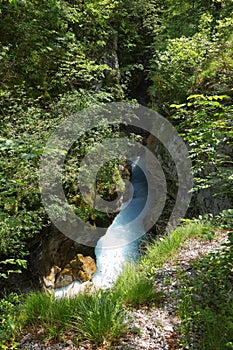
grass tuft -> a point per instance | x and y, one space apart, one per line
165 248
100 318
97 317
42 311
134 287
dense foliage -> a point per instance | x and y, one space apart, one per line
206 302
60 56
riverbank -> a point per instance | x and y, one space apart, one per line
159 323
160 326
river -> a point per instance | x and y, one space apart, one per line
121 242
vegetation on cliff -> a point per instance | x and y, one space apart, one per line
59 56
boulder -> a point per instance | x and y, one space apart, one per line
80 268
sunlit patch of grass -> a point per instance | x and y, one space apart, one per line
100 317
134 287
45 312
163 249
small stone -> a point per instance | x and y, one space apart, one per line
168 328
144 344
69 342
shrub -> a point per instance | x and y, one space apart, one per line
9 307
206 302
205 122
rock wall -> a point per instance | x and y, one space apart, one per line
204 201
169 171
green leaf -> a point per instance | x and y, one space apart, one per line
195 96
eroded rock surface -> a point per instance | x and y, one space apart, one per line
80 268
62 261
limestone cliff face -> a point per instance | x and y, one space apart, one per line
112 75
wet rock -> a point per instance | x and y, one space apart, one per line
80 268
49 280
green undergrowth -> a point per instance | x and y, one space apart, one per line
102 317
206 305
165 248
134 287
206 296
97 317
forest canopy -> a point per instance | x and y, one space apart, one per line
58 57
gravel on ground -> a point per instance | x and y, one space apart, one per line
152 328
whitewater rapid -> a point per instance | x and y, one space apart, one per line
121 242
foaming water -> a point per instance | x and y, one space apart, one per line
121 242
